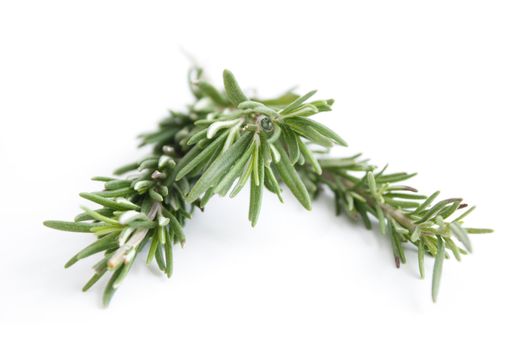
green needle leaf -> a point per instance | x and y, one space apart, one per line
159 257
479 230
169 254
248 167
427 202
184 168
291 141
227 181
320 128
96 276
292 180
219 168
70 226
438 268
108 202
421 258
436 209
233 91
256 192
97 216
210 91
462 236
272 181
126 168
107 242
298 102
152 248
309 157
110 290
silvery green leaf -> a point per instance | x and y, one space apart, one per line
233 133
479 230
255 156
103 178
292 180
256 192
85 216
245 175
155 195
213 128
183 168
308 156
250 105
416 233
126 168
381 219
214 94
122 192
166 161
273 183
438 268
163 221
159 257
168 249
227 181
117 204
256 188
276 156
266 111
275 134
197 136
69 226
219 167
148 164
109 291
371 182
175 226
450 209
124 235
116 184
311 134
291 141
152 248
462 235
323 105
464 215
421 258
106 242
161 233
97 216
303 111
436 209
132 215
129 259
143 185
451 245
320 128
233 91
298 102
94 279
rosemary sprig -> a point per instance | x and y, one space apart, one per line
222 141
403 214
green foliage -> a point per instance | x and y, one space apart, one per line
225 139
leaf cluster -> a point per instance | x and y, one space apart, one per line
226 140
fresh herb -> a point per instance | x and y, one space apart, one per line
225 140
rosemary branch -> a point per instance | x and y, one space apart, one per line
222 142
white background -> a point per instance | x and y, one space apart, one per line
434 87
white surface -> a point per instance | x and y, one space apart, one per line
435 87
